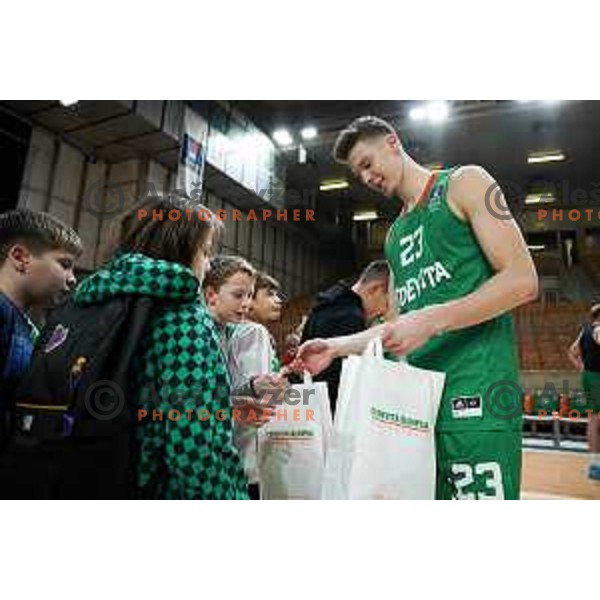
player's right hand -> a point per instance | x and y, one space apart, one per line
313 356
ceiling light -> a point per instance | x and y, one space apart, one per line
333 184
542 198
365 215
302 154
309 133
68 102
542 101
283 137
418 113
536 247
437 111
544 157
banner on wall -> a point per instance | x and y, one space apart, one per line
192 154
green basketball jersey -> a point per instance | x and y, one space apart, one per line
435 258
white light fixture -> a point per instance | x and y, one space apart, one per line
545 157
301 154
68 102
536 247
365 215
283 137
333 184
435 112
309 133
542 101
542 198
418 113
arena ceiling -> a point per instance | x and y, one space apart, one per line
499 135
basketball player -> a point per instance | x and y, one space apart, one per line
458 271
584 353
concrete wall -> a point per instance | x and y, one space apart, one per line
92 198
272 247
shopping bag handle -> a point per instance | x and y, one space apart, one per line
308 380
375 348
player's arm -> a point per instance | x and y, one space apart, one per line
514 283
574 353
316 355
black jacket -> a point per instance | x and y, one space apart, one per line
337 311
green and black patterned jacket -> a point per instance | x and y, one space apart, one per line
180 368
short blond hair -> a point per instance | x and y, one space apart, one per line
222 267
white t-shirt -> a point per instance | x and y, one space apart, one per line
250 352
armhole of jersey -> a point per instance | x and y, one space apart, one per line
455 217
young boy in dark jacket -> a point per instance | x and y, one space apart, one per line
37 258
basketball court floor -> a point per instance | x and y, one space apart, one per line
557 475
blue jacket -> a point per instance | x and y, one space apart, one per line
17 337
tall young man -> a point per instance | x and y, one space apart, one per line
37 258
458 271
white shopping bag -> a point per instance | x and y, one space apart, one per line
383 445
293 444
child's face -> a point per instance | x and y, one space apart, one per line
231 302
50 276
266 307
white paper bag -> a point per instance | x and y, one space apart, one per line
293 444
383 445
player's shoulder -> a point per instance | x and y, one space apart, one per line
467 188
467 176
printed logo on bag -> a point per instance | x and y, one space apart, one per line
290 435
57 339
395 419
466 407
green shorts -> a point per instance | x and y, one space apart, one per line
590 381
478 465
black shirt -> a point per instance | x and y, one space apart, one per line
17 335
337 311
590 351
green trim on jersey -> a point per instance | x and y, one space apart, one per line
435 258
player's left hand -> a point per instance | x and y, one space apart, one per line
409 332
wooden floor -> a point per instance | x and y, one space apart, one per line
553 475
